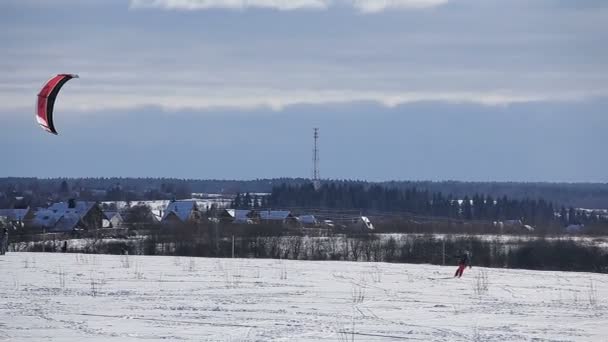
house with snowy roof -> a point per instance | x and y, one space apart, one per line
112 219
69 216
361 223
283 217
17 217
308 221
181 212
239 216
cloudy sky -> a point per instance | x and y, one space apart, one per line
401 89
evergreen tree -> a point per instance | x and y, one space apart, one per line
563 215
64 188
467 208
246 201
572 216
237 202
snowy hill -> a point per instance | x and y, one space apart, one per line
77 297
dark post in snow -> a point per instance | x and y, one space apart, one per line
443 250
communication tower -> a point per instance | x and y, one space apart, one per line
316 181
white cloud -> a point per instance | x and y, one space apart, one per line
391 61
365 6
284 5
79 100
374 6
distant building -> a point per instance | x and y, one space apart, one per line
69 216
239 216
112 219
17 217
181 212
361 223
512 225
283 217
308 221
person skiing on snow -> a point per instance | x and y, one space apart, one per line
464 260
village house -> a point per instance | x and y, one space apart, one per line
238 216
308 221
69 216
17 218
181 212
283 217
362 223
112 219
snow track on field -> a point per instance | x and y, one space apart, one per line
76 297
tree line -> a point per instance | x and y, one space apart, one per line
39 190
376 198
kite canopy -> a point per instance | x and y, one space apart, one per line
46 101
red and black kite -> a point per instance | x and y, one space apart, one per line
46 101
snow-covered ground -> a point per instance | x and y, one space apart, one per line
77 297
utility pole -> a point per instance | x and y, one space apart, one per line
443 250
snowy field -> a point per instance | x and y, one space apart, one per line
77 297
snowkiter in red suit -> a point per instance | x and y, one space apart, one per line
464 260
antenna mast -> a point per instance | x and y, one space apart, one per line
316 181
